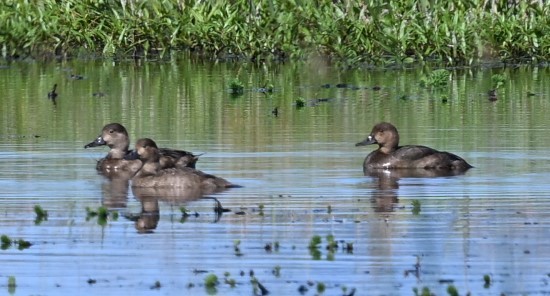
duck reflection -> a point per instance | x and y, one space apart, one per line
147 220
385 197
114 192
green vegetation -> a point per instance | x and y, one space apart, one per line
228 280
276 271
11 284
416 207
451 289
236 87
369 31
487 281
102 214
425 292
6 242
498 80
41 214
300 103
211 281
436 79
321 288
236 247
314 242
257 287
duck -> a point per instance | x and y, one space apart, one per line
390 155
151 174
121 159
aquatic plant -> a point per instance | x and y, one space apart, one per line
425 292
236 247
332 245
314 242
5 242
487 281
276 271
258 288
299 103
211 281
23 244
436 79
236 87
11 284
102 214
416 206
498 80
320 288
41 214
231 282
451 289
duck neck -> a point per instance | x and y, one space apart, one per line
117 153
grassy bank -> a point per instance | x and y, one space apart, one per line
453 32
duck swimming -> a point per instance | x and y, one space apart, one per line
390 155
120 158
152 174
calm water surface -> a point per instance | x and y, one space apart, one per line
301 174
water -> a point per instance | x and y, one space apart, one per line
301 176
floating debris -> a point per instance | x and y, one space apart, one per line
299 103
53 94
275 112
492 94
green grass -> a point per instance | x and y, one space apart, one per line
383 32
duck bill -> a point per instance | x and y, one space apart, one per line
368 141
97 142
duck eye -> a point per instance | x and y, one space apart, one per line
111 131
